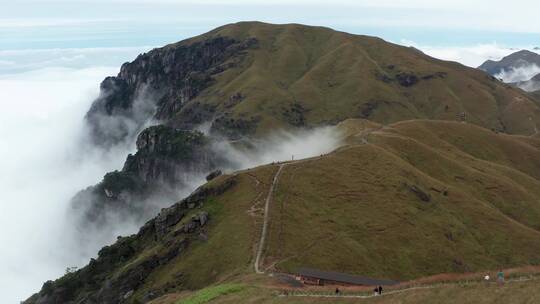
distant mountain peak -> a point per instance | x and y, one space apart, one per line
519 59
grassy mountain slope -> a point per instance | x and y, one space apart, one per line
421 198
249 78
302 75
401 201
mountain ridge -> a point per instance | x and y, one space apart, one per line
246 80
299 53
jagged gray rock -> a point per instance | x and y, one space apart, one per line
158 84
93 284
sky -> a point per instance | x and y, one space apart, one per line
114 23
54 53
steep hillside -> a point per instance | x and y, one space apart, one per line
419 197
400 201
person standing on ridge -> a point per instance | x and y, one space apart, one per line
379 290
500 277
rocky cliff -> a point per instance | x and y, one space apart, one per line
167 159
249 78
107 279
158 84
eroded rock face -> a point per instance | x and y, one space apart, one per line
420 194
158 84
165 155
167 158
121 269
406 79
167 218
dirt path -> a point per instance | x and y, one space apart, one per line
275 180
268 201
360 296
265 222
398 291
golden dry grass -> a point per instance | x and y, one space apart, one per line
354 211
334 76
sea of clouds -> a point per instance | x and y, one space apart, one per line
44 95
474 56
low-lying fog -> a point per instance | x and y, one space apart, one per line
519 74
42 166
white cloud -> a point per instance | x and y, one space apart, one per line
472 56
520 74
43 165
283 146
32 59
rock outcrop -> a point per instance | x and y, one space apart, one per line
166 159
158 84
107 279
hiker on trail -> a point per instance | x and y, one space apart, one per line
500 278
379 290
337 291
376 291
